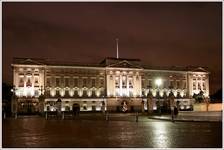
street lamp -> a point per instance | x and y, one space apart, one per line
14 101
158 82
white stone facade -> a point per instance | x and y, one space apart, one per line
112 82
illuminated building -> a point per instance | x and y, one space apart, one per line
112 82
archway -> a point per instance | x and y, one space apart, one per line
76 109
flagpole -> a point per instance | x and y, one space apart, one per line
117 48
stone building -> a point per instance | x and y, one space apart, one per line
113 84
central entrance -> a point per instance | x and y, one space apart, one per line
28 107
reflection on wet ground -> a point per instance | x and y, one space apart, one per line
118 132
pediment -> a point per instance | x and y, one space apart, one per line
199 69
124 64
29 61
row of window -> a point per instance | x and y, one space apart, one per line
125 81
200 85
76 82
75 93
177 84
28 81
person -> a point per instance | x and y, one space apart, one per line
175 111
158 107
172 105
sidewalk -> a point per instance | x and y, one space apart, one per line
192 116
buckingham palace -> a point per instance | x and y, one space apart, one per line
38 84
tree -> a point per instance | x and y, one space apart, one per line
217 97
199 97
6 97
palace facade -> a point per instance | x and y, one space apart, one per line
39 84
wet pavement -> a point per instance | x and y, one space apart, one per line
192 116
119 131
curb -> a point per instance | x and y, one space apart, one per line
179 120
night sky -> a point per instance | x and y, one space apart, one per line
160 34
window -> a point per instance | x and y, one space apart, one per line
67 108
67 93
171 83
184 84
76 82
117 82
57 82
84 93
28 83
199 86
84 82
36 83
124 82
71 81
36 80
21 82
143 82
93 82
203 84
150 84
178 84
57 93
66 82
130 83
166 85
194 86
111 77
48 82
101 83
36 93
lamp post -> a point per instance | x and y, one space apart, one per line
41 101
14 101
103 106
172 103
158 82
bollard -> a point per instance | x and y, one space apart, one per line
172 115
46 115
4 115
136 117
63 115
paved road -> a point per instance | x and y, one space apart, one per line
120 131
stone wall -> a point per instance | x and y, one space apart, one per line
211 107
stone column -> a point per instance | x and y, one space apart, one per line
127 85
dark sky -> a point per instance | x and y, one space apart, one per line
160 34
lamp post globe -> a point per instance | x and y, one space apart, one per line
158 82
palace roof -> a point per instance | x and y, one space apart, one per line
108 62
